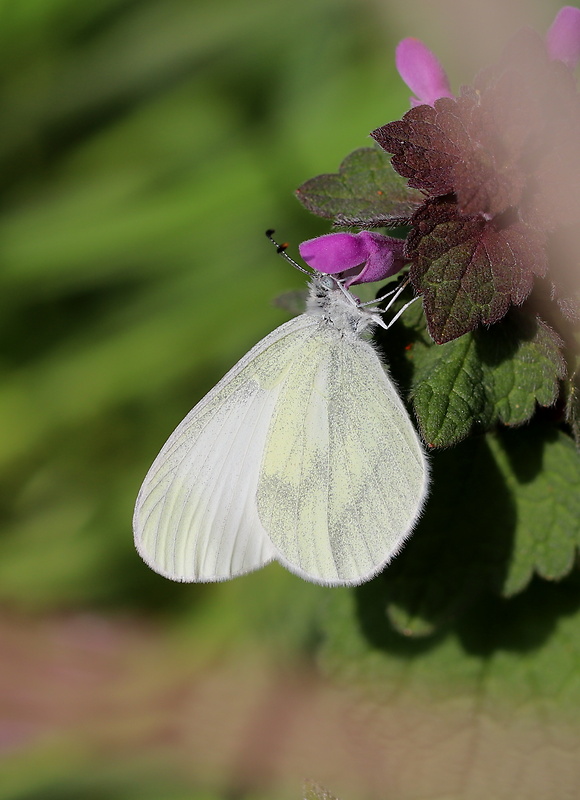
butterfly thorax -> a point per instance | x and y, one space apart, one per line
336 307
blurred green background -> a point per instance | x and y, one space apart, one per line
145 147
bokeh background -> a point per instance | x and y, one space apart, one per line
145 147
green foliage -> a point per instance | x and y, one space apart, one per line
365 191
313 791
494 698
541 470
503 508
573 403
481 606
485 377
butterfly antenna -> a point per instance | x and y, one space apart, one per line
281 250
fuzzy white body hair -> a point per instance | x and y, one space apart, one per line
337 306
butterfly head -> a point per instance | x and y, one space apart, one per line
330 301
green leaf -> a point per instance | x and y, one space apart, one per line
541 471
314 791
522 362
460 544
506 506
486 377
365 192
488 710
573 404
449 394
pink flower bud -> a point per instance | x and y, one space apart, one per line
563 37
365 257
422 72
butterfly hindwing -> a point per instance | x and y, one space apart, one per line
344 475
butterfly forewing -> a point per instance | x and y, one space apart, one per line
196 517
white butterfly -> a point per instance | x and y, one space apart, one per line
303 453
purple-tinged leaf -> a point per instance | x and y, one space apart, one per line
487 178
454 147
422 152
469 270
366 192
509 142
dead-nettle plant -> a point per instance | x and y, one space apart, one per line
480 191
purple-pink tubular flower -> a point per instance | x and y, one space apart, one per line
563 37
365 257
422 72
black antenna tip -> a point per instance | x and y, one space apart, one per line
281 250
279 247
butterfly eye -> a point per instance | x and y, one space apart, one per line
328 282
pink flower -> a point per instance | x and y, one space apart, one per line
364 257
563 37
422 72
